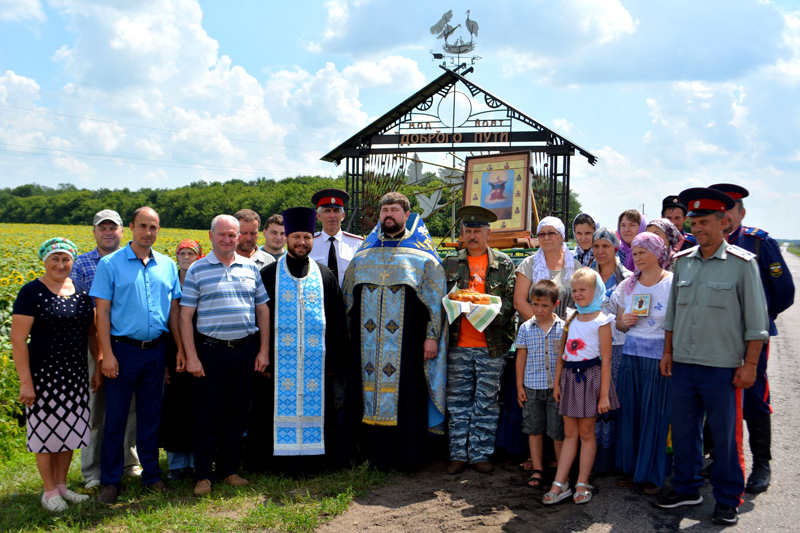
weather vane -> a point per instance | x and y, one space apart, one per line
455 49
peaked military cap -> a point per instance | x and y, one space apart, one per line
475 216
702 201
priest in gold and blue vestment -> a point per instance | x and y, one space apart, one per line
397 365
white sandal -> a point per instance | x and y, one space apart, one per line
56 504
74 497
565 493
587 495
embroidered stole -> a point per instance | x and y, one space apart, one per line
299 362
382 310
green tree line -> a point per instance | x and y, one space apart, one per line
191 206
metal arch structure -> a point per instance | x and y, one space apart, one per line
486 124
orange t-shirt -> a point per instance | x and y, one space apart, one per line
468 336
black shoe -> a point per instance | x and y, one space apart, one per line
759 478
674 499
180 473
725 515
158 487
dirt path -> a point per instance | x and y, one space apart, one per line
431 500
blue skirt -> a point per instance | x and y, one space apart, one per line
642 420
605 428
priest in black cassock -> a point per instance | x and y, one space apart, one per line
293 427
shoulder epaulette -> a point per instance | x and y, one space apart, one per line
684 252
741 253
317 234
755 232
352 235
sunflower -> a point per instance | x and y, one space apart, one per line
32 275
5 282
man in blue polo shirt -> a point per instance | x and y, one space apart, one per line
226 292
136 292
107 231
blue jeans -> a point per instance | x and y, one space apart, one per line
142 372
695 390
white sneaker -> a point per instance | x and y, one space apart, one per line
133 471
92 483
74 497
56 504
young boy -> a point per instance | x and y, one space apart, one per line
537 351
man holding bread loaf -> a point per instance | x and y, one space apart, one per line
475 356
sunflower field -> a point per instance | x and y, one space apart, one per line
19 264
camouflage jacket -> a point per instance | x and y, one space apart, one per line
500 276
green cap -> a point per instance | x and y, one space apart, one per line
475 216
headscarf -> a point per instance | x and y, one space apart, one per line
56 245
653 244
191 244
673 236
540 270
599 294
608 235
584 257
625 249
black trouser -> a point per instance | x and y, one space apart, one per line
222 403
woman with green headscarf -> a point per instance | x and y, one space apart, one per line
57 313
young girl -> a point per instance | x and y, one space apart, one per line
582 383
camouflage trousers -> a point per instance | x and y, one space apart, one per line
473 383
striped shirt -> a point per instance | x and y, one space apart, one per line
225 297
540 368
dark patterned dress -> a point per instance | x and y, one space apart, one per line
59 418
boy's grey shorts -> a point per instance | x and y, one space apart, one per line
540 413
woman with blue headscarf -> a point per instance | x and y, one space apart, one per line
605 244
643 420
57 313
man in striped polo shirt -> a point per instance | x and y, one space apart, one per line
231 341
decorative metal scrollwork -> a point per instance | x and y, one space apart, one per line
492 102
424 106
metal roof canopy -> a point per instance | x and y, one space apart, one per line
414 126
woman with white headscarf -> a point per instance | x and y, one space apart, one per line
644 415
553 261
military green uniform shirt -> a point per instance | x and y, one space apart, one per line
715 306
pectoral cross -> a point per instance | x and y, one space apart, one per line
383 275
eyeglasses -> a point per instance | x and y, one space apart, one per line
549 235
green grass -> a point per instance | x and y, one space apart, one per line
795 249
269 503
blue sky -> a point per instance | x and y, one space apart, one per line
668 95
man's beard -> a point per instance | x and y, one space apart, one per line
391 230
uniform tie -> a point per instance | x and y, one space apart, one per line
333 262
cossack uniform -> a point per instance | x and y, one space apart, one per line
779 292
334 251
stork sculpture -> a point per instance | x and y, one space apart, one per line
440 26
472 26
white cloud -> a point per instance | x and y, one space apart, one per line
397 72
18 90
562 125
17 10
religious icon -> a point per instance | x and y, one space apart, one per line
488 167
516 211
475 197
476 181
640 306
499 183
518 194
519 177
507 166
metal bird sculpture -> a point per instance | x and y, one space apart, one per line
471 25
440 26
448 31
